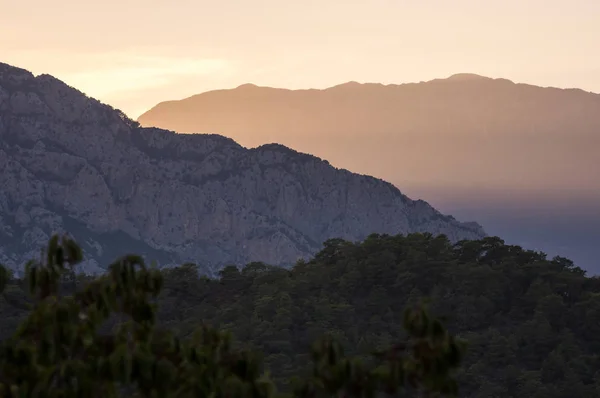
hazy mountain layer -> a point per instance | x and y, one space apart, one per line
456 132
68 162
488 149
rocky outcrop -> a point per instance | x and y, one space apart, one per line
69 163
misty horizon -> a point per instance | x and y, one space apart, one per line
202 46
530 151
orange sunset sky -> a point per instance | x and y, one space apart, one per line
136 53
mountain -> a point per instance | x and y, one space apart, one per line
70 163
520 159
517 135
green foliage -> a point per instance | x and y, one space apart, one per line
99 337
520 312
532 324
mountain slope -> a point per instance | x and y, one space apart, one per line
521 159
69 162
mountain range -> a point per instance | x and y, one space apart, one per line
69 163
520 159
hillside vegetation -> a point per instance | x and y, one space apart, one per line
532 324
100 340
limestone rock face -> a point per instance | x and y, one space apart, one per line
69 163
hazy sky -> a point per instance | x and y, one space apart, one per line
136 53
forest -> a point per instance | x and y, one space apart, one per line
531 323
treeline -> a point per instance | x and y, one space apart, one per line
532 324
98 338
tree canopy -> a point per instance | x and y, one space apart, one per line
101 339
531 323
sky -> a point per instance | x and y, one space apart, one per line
133 54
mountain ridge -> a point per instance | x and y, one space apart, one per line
453 141
69 162
456 78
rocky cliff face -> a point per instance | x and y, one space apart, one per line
69 163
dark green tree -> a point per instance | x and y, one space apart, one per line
100 338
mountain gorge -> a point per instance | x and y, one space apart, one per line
70 163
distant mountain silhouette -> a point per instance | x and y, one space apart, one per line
467 77
463 131
462 142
